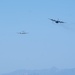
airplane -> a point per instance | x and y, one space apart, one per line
22 32
56 21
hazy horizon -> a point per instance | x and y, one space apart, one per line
48 71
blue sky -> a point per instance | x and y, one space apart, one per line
47 44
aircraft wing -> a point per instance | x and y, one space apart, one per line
51 19
61 22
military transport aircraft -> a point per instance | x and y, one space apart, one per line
56 21
22 32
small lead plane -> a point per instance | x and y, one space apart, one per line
22 32
56 21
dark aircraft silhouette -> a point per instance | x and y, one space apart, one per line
56 21
22 32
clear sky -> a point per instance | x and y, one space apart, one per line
47 44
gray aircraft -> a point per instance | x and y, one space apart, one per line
22 32
56 21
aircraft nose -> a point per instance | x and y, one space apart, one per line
56 21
